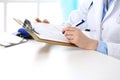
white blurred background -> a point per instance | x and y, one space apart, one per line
56 11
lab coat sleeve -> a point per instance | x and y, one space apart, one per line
74 17
79 14
114 50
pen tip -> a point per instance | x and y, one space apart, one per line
63 32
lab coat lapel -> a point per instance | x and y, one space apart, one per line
110 9
98 8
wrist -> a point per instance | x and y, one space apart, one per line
92 45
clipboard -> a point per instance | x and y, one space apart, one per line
37 38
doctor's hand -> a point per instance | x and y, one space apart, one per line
75 36
44 21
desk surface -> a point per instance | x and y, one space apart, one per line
39 61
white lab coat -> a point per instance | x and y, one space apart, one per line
107 30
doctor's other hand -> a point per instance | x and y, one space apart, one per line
78 38
44 21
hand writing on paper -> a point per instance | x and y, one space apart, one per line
75 36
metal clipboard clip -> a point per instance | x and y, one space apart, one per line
28 26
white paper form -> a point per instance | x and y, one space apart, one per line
50 32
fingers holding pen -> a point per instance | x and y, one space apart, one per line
69 33
69 30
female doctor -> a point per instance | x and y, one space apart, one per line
103 22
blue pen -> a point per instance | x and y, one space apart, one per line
83 21
80 23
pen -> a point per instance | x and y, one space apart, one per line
87 30
80 23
